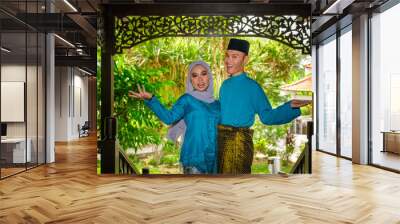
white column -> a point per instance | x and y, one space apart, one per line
50 79
360 90
50 93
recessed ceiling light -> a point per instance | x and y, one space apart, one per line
64 40
84 71
5 50
337 7
70 5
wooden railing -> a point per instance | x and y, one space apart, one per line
125 165
304 162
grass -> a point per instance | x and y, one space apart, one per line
261 167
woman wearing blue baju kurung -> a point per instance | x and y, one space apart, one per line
196 113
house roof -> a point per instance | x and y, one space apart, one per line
304 84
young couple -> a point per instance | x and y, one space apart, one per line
217 134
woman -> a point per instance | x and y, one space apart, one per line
200 113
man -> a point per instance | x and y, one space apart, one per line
241 99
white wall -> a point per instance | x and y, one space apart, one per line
62 81
12 73
71 102
80 110
16 73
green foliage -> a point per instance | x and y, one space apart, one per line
259 168
262 145
272 152
98 167
176 54
170 154
265 137
170 160
307 110
137 162
289 149
273 65
170 148
137 125
98 90
153 162
155 170
287 168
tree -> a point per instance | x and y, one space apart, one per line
137 126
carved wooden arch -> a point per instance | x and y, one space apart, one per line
293 31
133 24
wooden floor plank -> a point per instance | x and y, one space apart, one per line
69 191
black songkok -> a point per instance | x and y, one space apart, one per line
239 45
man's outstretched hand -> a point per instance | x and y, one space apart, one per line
141 94
300 103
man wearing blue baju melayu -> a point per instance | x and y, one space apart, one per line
241 99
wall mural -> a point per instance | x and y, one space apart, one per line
157 81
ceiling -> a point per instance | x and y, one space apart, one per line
75 20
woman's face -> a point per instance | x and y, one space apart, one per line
199 78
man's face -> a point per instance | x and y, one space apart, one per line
234 61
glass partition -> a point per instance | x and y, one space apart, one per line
327 97
15 151
385 89
346 93
22 87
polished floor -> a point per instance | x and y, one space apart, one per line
69 191
8 171
5 172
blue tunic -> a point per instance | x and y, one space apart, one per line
199 147
241 98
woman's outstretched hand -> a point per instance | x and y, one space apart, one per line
142 94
